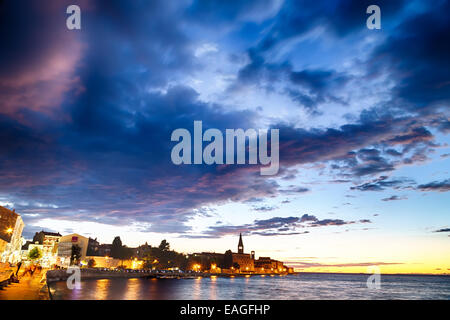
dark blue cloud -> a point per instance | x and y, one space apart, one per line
275 226
440 186
309 87
393 198
381 183
416 56
443 230
216 12
340 17
86 117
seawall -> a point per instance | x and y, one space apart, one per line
62 275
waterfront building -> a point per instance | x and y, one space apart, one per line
11 227
93 247
104 250
245 261
206 261
49 242
142 251
24 251
65 248
266 264
236 262
112 263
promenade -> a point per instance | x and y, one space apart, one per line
28 288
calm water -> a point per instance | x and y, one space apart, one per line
301 286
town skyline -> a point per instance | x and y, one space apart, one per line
53 251
351 268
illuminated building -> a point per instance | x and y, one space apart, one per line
244 260
111 263
65 247
11 226
232 262
206 261
49 242
266 264
143 250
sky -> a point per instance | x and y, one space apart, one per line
86 118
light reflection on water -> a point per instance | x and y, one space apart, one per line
213 288
133 289
101 290
302 286
197 288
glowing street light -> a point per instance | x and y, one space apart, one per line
9 230
196 267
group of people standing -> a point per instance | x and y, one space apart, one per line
30 270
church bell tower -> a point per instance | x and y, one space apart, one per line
240 244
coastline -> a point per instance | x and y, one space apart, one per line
62 275
33 287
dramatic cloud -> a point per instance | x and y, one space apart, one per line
308 88
420 71
276 226
38 58
340 17
86 116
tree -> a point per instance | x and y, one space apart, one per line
35 254
76 254
164 246
228 259
236 266
116 249
91 263
149 261
126 253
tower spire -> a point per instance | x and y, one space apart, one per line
240 244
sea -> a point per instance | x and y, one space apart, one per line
310 286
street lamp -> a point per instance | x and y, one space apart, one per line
9 230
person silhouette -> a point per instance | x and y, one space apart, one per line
18 267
